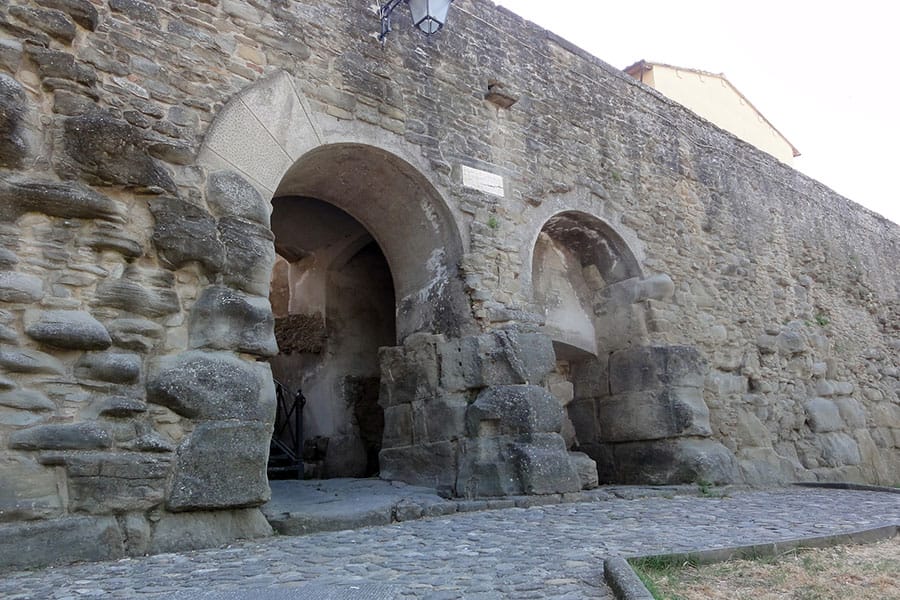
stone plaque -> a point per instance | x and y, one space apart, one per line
483 181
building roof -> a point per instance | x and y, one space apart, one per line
641 66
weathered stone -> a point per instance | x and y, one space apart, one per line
10 55
224 319
433 465
8 259
230 195
115 240
202 385
135 334
81 11
652 367
543 465
69 329
650 415
141 291
172 152
487 468
852 412
19 287
512 410
27 490
22 360
501 358
107 151
136 10
20 195
61 436
27 400
249 255
104 482
839 449
791 342
111 367
823 415
586 468
184 233
221 465
60 541
149 442
53 22
666 462
122 407
53 64
195 530
13 106
408 372
443 418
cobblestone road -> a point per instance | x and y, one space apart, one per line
542 552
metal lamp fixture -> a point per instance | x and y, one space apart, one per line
427 15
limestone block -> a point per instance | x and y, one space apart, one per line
105 150
13 107
222 464
59 541
27 400
225 319
177 532
397 426
21 360
512 410
652 367
230 195
139 335
104 482
500 358
201 385
583 415
487 468
431 465
666 462
27 490
653 415
586 468
146 292
249 255
764 466
62 436
68 329
823 415
722 384
81 11
543 465
750 431
19 287
852 412
184 233
839 449
20 194
408 372
445 417
346 456
791 342
114 367
590 377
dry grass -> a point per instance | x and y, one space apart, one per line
869 572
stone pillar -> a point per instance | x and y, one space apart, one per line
469 416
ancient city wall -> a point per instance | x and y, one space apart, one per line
135 188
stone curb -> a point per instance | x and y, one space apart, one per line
859 487
626 585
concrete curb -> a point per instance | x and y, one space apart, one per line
859 487
626 585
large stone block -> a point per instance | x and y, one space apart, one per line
112 367
487 468
230 195
59 541
674 461
81 11
67 329
513 410
27 490
823 415
30 400
654 367
213 386
184 233
543 465
249 255
431 465
20 287
177 532
105 150
139 335
225 319
650 415
22 360
221 465
145 292
500 358
586 468
839 449
408 372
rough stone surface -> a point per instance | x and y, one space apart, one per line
13 105
230 195
512 410
63 436
249 255
19 195
216 386
187 531
681 459
205 478
16 360
140 291
184 233
69 329
113 367
225 319
81 11
19 287
60 541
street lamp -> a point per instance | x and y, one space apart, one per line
427 15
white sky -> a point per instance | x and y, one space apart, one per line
824 72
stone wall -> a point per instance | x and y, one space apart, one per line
141 143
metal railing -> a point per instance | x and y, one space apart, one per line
286 449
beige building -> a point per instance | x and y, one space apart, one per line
713 97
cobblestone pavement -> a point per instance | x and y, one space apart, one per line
542 552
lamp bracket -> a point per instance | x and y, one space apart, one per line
385 13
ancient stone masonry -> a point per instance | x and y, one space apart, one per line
589 285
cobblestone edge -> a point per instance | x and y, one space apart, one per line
861 487
626 585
